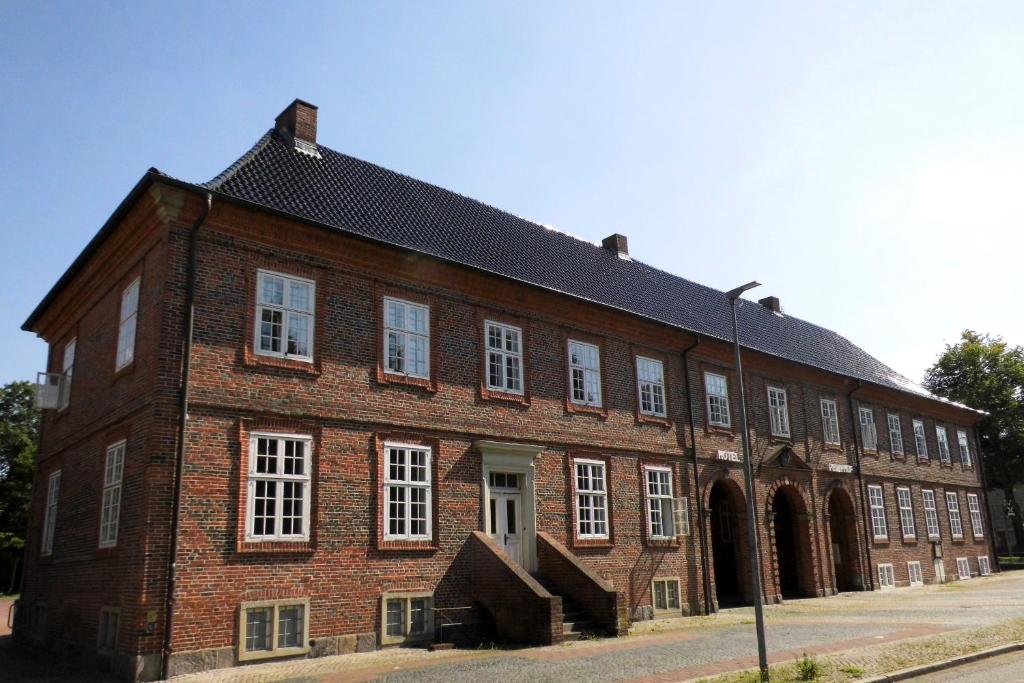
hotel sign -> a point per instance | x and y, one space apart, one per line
846 469
728 456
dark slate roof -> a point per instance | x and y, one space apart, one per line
361 198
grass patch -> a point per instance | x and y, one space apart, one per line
807 668
852 670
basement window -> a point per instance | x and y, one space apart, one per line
274 628
984 568
665 597
914 572
963 568
406 617
885 576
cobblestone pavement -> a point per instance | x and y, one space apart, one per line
679 649
1007 668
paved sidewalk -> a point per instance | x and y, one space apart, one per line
1005 669
679 649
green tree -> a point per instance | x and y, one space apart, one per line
986 373
19 433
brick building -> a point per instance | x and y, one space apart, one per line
315 406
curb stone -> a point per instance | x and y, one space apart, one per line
913 672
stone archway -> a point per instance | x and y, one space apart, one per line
845 550
726 509
792 550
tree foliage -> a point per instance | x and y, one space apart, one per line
19 433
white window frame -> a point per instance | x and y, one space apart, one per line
110 505
403 333
660 503
984 566
720 404
886 577
931 513
914 573
67 370
920 440
506 358
963 568
127 324
279 478
906 506
274 607
596 499
668 609
405 484
974 508
288 311
407 598
942 437
953 511
589 377
965 448
778 411
895 433
50 518
868 431
830 422
650 377
879 526
110 620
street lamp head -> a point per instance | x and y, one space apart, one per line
734 294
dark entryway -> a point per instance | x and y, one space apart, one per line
727 534
843 535
791 551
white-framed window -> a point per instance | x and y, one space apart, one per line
68 369
943 439
584 373
778 411
914 573
407 617
920 442
963 568
956 526
877 504
885 576
650 380
974 507
868 433
504 357
406 338
984 568
278 487
110 510
110 620
273 628
126 325
50 518
895 434
407 492
591 499
665 595
717 389
931 514
906 512
660 513
965 448
285 315
830 421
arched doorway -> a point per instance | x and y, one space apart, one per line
842 532
792 546
727 544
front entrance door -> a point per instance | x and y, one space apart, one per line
940 570
506 510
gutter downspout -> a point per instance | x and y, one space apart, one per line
186 366
860 483
984 497
705 572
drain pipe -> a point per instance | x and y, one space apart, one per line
704 570
860 484
186 366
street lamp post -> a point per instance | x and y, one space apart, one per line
748 470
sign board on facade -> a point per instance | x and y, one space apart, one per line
730 456
832 467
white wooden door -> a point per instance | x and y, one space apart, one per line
507 522
940 570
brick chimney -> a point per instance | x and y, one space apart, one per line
297 123
616 244
772 303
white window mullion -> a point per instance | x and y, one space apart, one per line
879 527
778 410
127 325
717 389
50 519
584 373
279 462
407 493
895 434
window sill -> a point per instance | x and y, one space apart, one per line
662 543
308 367
425 383
583 543
600 411
489 394
719 429
834 448
880 541
123 372
272 547
872 452
272 654
428 545
912 540
654 420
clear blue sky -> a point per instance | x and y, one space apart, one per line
866 163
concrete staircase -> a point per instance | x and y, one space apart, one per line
575 621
